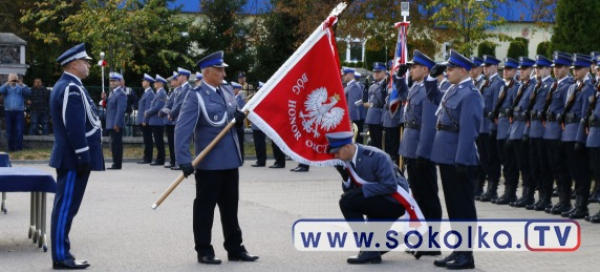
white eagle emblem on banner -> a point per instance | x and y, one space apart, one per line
319 113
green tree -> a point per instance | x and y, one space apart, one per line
576 23
543 48
517 48
225 29
486 48
122 28
468 19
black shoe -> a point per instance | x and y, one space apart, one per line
561 208
444 261
595 218
242 256
525 203
169 165
209 259
144 162
580 213
418 254
543 205
569 212
258 165
299 169
157 164
364 257
556 191
505 199
176 168
462 261
112 167
488 196
277 166
70 264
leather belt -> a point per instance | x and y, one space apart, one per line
379 106
413 125
550 116
451 128
522 117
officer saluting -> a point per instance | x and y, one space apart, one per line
205 112
76 151
458 122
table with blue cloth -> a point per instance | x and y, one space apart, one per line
38 182
4 162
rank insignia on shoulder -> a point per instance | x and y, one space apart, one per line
368 152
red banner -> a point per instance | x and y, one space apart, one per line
305 103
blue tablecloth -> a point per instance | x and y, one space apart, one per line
24 179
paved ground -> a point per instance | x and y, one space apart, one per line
117 230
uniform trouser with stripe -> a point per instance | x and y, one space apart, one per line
510 171
521 152
392 142
217 187
67 200
558 163
424 187
158 133
493 158
375 134
171 139
579 168
147 136
116 147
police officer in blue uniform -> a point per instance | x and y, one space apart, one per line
479 81
116 105
573 137
76 151
374 199
538 155
239 128
156 122
170 124
500 115
183 76
417 141
553 106
518 137
205 112
490 92
354 94
377 94
142 119
458 121
591 126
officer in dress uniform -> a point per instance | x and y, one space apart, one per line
553 106
239 128
500 115
595 196
116 105
538 155
353 91
169 124
391 124
260 144
591 125
205 112
142 120
479 81
183 76
458 121
198 79
518 137
574 137
377 94
156 122
76 151
490 92
373 196
417 141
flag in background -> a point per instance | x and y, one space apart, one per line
400 57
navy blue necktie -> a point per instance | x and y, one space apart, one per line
220 93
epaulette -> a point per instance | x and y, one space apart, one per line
368 152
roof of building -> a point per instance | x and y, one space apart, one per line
10 38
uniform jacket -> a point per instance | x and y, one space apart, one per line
461 105
377 100
157 104
169 105
116 103
77 128
388 120
593 138
143 105
503 121
353 93
536 129
413 116
580 106
490 95
519 126
553 130
183 90
376 166
203 115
